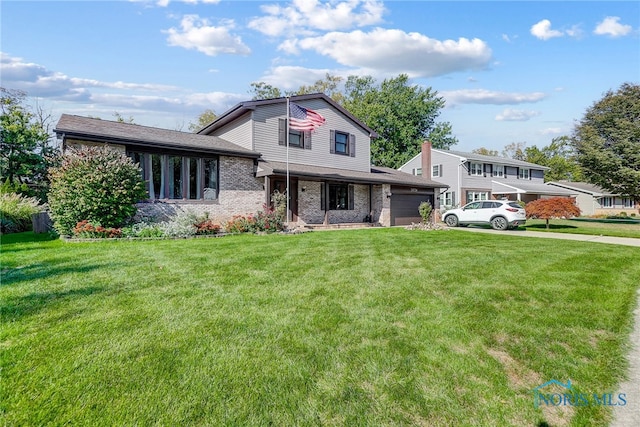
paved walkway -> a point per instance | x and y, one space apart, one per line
623 416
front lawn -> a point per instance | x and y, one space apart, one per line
585 227
358 327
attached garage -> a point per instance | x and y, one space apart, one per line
405 202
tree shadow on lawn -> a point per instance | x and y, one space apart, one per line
25 237
14 308
552 226
13 275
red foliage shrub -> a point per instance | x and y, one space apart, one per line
554 207
85 229
207 227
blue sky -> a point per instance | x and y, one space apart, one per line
510 71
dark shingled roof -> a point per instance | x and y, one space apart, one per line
106 131
492 159
378 175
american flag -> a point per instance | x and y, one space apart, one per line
304 119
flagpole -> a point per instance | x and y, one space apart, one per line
287 143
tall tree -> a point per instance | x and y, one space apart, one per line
515 150
330 86
23 144
485 151
559 157
607 141
403 115
206 117
262 90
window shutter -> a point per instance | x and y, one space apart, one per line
440 170
517 173
282 131
332 141
351 201
453 198
307 140
352 145
323 202
484 169
469 168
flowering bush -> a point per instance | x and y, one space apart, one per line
87 230
207 226
98 184
266 220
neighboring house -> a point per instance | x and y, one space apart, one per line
471 177
594 200
233 165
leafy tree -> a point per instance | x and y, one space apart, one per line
97 184
485 151
554 207
262 90
121 119
329 86
206 117
559 157
403 115
515 151
24 145
607 141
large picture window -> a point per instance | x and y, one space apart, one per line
178 177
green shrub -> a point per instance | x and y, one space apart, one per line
425 210
267 220
97 184
16 211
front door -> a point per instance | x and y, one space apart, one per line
281 185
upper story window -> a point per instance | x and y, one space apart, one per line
342 143
524 174
299 139
417 171
178 177
476 169
436 170
498 171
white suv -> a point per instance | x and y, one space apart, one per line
500 214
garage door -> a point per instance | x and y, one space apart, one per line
404 207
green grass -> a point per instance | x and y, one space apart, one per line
358 327
585 227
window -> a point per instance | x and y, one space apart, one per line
524 174
607 202
297 138
436 171
627 202
473 196
449 198
475 169
178 177
498 171
417 171
339 196
342 143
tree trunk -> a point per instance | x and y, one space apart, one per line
547 223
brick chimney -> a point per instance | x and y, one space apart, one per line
426 159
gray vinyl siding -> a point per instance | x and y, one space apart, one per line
411 165
265 126
239 132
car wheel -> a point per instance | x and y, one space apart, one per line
451 220
499 223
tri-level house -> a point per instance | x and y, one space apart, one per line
233 165
594 200
470 177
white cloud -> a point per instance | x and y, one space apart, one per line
306 16
611 27
292 77
483 96
543 31
165 3
88 96
197 33
512 115
553 131
389 51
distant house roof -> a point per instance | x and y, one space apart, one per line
110 132
528 187
242 108
378 175
583 187
492 159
